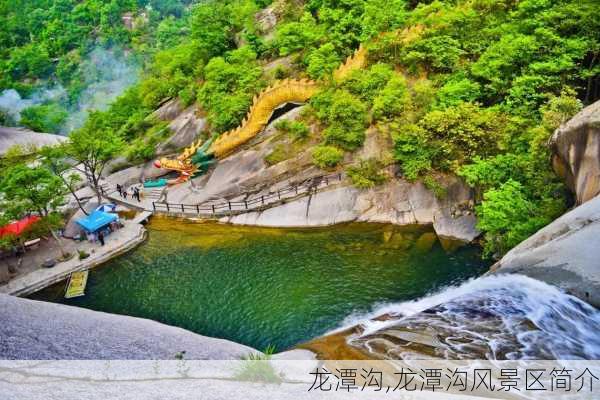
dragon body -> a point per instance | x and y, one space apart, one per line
198 157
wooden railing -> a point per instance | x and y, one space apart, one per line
307 187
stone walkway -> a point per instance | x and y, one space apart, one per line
125 239
242 203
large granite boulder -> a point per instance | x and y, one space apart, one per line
26 138
566 253
36 330
576 152
185 123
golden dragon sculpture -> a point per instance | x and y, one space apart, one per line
198 157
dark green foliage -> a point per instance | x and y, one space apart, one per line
393 100
322 62
367 83
230 83
345 117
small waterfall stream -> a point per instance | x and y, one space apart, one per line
493 317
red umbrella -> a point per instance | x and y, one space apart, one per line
18 227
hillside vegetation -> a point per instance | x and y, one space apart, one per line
472 88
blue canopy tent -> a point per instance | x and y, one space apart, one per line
96 221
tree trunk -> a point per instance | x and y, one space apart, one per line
63 253
78 202
94 181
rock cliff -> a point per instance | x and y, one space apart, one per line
36 330
566 253
576 153
10 137
397 201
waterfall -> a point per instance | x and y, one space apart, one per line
494 317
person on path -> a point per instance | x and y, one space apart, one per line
120 190
125 193
163 195
136 193
101 238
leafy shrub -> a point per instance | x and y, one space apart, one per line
345 117
366 83
412 150
300 35
463 132
296 129
327 156
230 83
366 173
322 62
45 118
440 53
393 100
458 91
507 217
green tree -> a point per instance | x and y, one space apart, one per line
44 118
327 156
230 83
394 100
345 117
92 147
55 159
25 189
507 217
322 61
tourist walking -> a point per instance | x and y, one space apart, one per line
101 238
136 194
120 190
124 193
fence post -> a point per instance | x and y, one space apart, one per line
278 194
246 204
326 181
296 189
229 204
262 200
213 208
340 176
182 209
154 206
167 207
197 209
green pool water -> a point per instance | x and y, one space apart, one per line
262 286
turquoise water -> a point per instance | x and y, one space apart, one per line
264 287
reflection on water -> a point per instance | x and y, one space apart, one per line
261 286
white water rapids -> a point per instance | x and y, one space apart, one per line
493 317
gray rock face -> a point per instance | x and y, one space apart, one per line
576 152
10 137
566 253
397 202
41 331
186 126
